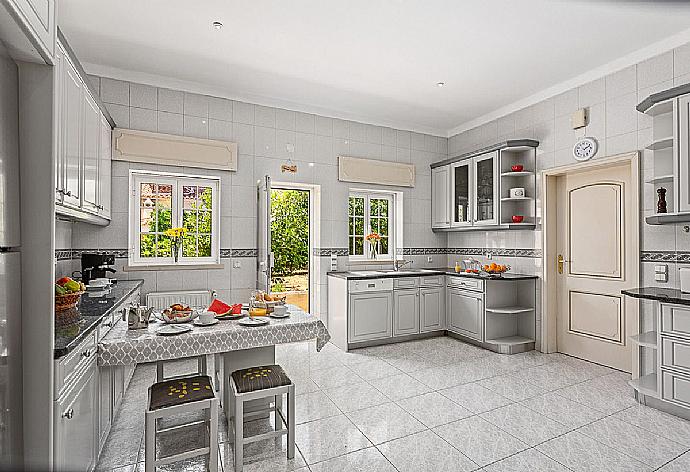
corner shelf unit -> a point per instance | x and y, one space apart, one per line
670 164
646 385
509 315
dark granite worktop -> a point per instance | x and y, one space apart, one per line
92 309
665 295
356 275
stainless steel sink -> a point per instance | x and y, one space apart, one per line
405 271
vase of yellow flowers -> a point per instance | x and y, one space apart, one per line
373 239
176 235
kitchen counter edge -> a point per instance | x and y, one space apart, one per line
349 275
664 295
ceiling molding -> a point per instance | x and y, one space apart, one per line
196 87
633 58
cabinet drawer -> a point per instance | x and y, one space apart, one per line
68 367
675 320
432 281
675 354
675 388
466 283
370 285
406 282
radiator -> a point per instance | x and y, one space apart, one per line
192 298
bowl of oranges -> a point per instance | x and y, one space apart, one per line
495 270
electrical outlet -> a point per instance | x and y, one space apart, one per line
661 273
236 264
429 259
334 262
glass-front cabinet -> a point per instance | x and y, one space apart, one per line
485 189
461 182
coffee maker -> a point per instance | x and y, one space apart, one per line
95 266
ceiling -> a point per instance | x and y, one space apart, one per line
369 60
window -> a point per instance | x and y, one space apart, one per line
371 213
160 202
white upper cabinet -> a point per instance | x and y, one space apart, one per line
37 20
485 188
440 197
684 150
71 109
105 170
460 186
91 139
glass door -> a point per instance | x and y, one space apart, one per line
264 260
485 189
461 177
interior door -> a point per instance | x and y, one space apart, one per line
264 260
596 222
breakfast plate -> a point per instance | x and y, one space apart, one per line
172 330
251 321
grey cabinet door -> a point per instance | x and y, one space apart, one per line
371 316
105 402
682 184
405 312
465 313
440 197
432 308
71 110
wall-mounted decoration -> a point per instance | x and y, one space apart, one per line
585 149
165 149
369 171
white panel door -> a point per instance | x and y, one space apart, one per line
105 170
594 228
91 139
440 197
71 114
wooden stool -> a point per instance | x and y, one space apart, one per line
256 383
173 397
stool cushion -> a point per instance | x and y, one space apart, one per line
259 378
180 391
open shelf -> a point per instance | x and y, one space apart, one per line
660 108
645 385
647 339
509 310
510 340
659 144
668 218
661 178
517 199
523 173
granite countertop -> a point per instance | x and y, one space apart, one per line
92 310
372 274
665 295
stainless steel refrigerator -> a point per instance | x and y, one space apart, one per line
10 270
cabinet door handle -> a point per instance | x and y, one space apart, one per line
86 353
69 414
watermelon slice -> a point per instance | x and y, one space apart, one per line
219 307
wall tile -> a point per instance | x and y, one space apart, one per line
243 113
195 126
284 141
323 126
566 103
681 60
243 134
170 100
655 70
114 91
171 123
403 139
265 116
622 82
304 147
285 119
388 137
221 130
220 109
95 82
143 119
195 105
506 125
323 150
264 141
220 279
143 96
374 134
592 93
304 123
417 142
119 114
341 128
621 115
243 232
357 131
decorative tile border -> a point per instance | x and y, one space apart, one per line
327 251
75 254
665 256
241 252
504 252
63 254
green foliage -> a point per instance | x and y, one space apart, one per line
290 231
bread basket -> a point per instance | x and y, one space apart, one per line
67 301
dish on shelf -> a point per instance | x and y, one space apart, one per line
518 218
517 168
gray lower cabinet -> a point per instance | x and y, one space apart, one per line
432 309
371 316
465 313
406 312
105 399
76 424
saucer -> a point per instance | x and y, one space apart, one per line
197 322
172 330
279 317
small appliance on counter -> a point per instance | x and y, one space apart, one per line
138 316
684 273
96 266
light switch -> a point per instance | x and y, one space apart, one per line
661 273
429 259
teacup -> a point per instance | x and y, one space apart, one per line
280 310
206 317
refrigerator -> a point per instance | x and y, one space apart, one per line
11 432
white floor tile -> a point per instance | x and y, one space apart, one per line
425 451
385 422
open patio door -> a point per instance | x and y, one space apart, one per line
264 260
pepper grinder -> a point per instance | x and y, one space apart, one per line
661 204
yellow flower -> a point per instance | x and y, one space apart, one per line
176 232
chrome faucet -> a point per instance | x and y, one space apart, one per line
399 264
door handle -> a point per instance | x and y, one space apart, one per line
560 262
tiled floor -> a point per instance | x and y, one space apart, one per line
438 405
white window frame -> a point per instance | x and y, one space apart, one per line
177 181
392 198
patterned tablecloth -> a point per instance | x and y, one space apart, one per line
124 347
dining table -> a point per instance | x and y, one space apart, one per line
227 345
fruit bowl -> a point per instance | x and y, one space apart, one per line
67 301
495 270
173 317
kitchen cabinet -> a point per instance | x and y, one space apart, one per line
37 18
461 181
465 313
406 312
432 308
105 403
684 154
371 316
440 197
485 189
83 164
76 422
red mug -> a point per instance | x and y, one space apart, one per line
518 218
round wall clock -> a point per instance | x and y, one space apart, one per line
585 149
